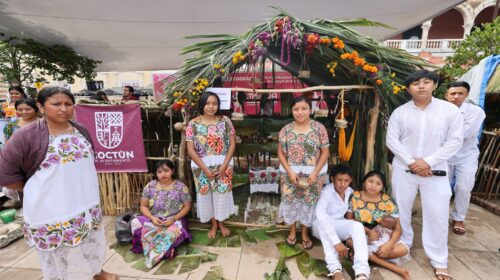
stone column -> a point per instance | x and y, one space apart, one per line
426 26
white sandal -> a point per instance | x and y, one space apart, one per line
361 276
331 274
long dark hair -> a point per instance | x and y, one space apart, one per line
168 163
28 101
203 101
47 92
19 89
379 174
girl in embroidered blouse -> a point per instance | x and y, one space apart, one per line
7 109
61 207
162 226
370 206
27 110
303 153
211 143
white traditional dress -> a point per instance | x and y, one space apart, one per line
62 211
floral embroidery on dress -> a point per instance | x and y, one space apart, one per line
166 203
68 233
70 148
211 140
302 149
371 213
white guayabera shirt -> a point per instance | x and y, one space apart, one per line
473 118
433 134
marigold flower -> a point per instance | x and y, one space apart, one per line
378 82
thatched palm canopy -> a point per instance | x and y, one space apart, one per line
231 53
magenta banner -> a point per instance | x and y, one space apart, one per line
117 134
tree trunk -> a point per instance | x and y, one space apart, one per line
372 130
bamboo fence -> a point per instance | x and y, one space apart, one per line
486 192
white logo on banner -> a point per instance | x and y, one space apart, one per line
109 128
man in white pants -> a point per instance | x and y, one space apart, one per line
423 134
331 227
463 165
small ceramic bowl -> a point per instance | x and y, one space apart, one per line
8 216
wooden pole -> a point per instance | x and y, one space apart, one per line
372 132
292 90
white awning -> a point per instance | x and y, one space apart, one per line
149 34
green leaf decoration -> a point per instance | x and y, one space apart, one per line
258 234
305 264
167 267
200 237
190 263
215 273
288 251
140 265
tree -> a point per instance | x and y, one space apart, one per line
19 58
482 42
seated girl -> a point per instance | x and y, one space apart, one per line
163 224
370 206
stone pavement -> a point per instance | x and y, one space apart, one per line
475 255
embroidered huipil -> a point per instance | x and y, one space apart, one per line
61 200
473 118
433 134
211 143
166 203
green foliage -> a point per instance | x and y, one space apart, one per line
481 43
20 58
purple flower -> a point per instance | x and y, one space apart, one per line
64 147
42 245
96 212
45 165
78 155
54 158
75 140
265 37
54 239
69 234
78 222
41 231
82 146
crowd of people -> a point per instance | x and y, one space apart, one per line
50 159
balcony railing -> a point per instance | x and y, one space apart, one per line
442 46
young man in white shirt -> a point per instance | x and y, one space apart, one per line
423 134
331 226
463 165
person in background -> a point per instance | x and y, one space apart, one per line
7 109
423 134
101 96
128 94
52 161
463 165
27 110
162 226
211 144
303 154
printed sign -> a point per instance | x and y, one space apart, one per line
117 134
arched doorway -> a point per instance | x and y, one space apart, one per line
447 26
485 16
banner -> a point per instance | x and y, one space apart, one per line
282 80
160 79
117 134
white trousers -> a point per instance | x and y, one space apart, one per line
465 175
345 229
435 194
